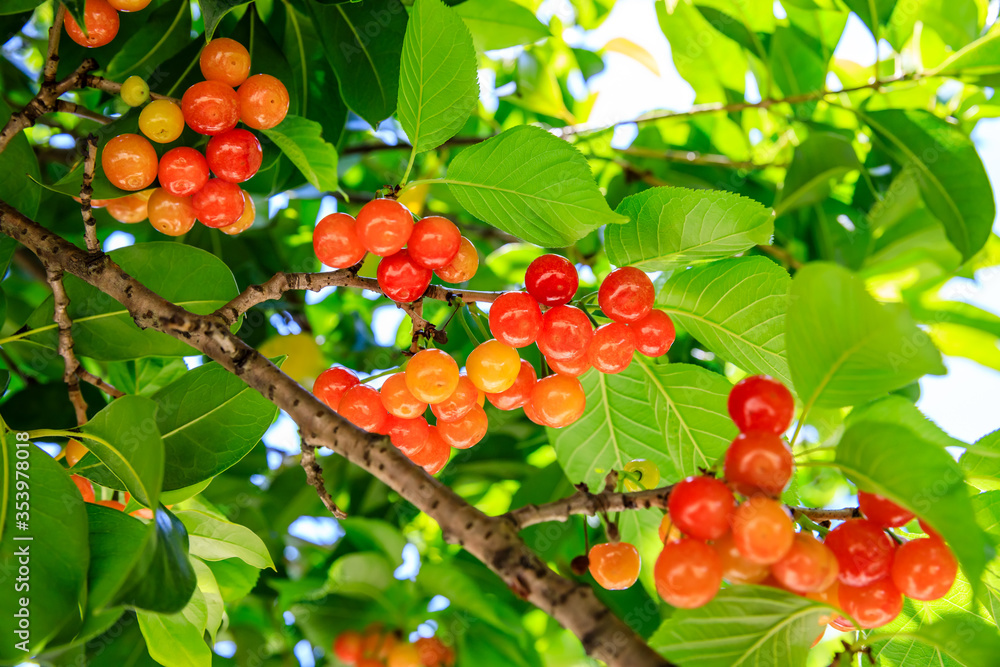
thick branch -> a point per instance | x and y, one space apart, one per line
52 59
62 319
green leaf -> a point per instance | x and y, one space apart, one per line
215 539
371 534
736 308
954 640
743 626
463 592
902 412
209 589
499 24
127 441
949 172
19 172
167 30
363 42
874 13
979 59
797 66
364 574
894 462
824 157
235 578
675 227
956 23
302 142
18 6
531 184
844 348
438 83
213 11
39 493
981 462
177 640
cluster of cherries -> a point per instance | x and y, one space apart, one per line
859 567
376 648
212 107
100 17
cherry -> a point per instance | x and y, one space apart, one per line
129 5
129 162
882 511
761 403
518 393
626 295
131 208
263 101
735 568
134 91
515 319
924 569
668 531
384 226
183 171
408 435
558 400
456 406
873 605
463 267
336 241
654 334
648 473
235 155
85 487
162 121
434 242
402 279
574 367
211 107
403 655
614 566
101 20
808 567
759 462
433 653
830 596
397 399
702 507
688 574
431 376
763 530
170 214
465 431
433 456
331 385
347 645
611 348
864 552
219 203
362 406
246 220
531 413
225 60
552 280
566 333
493 367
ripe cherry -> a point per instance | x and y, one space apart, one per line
531 413
434 242
225 60
131 208
702 507
493 367
552 280
558 400
668 531
246 220
402 279
735 568
515 319
924 569
219 203
864 552
654 334
397 399
882 511
614 566
362 406
759 462
763 530
235 155
456 406
626 295
101 20
162 121
830 596
134 91
611 348
646 471
566 333
336 241
688 574
873 605
408 435
211 107
129 5
183 171
433 456
170 214
129 162
331 385
434 653
761 403
431 375
574 367
384 226
263 101
465 431
518 393
463 267
85 487
808 567
347 645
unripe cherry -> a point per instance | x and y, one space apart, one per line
463 267
162 121
131 208
763 530
465 431
558 400
129 162
688 574
431 375
458 404
493 367
614 566
246 220
518 393
626 295
397 399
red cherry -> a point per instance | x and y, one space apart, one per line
402 279
532 414
515 319
558 400
614 566
210 107
626 295
463 267
735 568
183 171
101 20
763 530
759 462
519 393
466 431
873 605
170 214
234 156
761 403
219 203
398 400
574 367
808 567
225 60
85 487
263 101
331 385
336 241
552 280
702 507
654 334
688 574
864 552
347 645
434 454
362 406
566 333
434 242
882 511
924 569
384 226
611 349
459 403
129 161
408 435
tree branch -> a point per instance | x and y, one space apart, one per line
65 324
115 88
314 476
52 59
65 106
86 190
695 158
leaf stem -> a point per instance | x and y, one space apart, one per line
409 166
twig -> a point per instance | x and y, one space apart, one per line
86 190
416 312
65 106
374 148
90 378
781 255
52 58
115 88
62 319
314 476
819 514
695 158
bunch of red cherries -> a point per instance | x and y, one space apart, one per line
377 648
